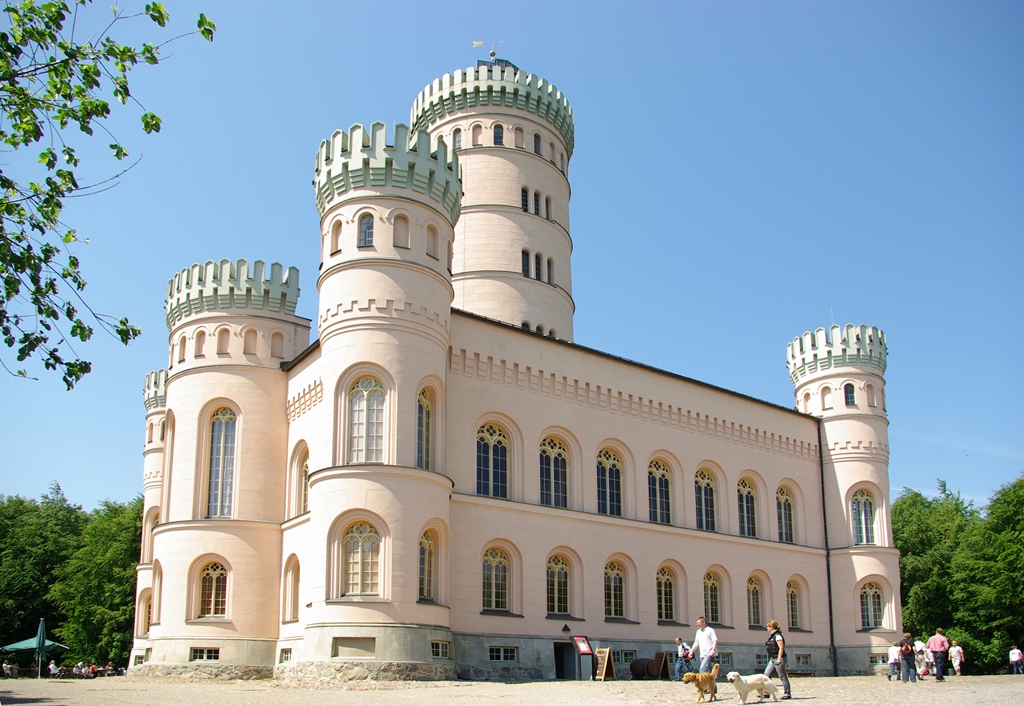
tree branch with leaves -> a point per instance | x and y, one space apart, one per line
53 85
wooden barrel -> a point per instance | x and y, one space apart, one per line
640 668
652 669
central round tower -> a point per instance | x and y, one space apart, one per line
513 133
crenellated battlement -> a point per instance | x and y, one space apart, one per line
154 392
214 286
836 347
363 159
492 85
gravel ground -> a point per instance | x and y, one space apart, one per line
817 691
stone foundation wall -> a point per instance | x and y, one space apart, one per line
496 673
315 672
197 671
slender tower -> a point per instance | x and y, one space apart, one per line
513 133
838 376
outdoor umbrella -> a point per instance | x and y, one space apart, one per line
39 644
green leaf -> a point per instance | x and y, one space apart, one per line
151 122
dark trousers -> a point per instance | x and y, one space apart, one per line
909 669
940 664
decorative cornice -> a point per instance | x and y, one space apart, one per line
154 391
854 346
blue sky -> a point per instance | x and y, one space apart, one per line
791 164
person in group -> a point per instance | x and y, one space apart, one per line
1015 660
938 645
705 641
54 669
907 658
681 651
894 661
777 661
956 657
919 658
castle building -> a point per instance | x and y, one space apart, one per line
445 485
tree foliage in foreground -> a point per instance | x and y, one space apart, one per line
96 587
53 88
963 570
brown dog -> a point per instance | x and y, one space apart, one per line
703 682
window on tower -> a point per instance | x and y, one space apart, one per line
536 143
366 231
499 135
850 394
525 200
526 263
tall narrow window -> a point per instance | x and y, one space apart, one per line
614 591
753 602
870 392
361 545
457 139
200 351
365 230
213 591
222 463
426 578
520 139
291 590
336 237
491 462
526 263
871 606
478 131
554 483
432 241
495 580
536 203
249 339
784 505
499 135
609 484
366 422
746 500
551 151
826 398
400 235
304 487
712 605
537 266
524 200
863 518
536 143
850 394
558 585
792 605
666 595
424 420
223 341
547 207
277 345
704 487
657 492
181 350
551 271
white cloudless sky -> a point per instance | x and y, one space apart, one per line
743 172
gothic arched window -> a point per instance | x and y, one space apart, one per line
554 482
871 606
784 506
220 484
850 395
365 230
666 595
657 493
712 603
426 568
366 421
746 500
491 462
213 591
361 545
753 602
792 605
704 487
863 508
558 585
495 580
614 590
499 135
609 484
424 421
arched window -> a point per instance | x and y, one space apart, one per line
457 139
400 234
609 484
277 345
784 506
290 599
526 263
365 230
249 342
366 422
666 595
520 139
200 351
144 614
850 394
870 391
181 350
163 428
524 201
863 507
746 499
753 602
304 486
424 422
551 271
540 329
223 341
491 462
871 606
558 586
478 131
614 590
826 398
547 207
495 580
657 493
432 241
149 434
704 487
499 135
336 237
537 266
536 203
222 463
551 151
213 591
554 482
536 143
792 605
426 569
361 545
712 605
807 403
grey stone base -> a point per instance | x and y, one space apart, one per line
198 671
340 670
500 673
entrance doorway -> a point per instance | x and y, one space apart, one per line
565 660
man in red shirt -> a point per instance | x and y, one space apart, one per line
939 646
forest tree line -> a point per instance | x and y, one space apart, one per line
961 569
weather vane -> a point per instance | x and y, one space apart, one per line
495 46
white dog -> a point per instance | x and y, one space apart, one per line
756 683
